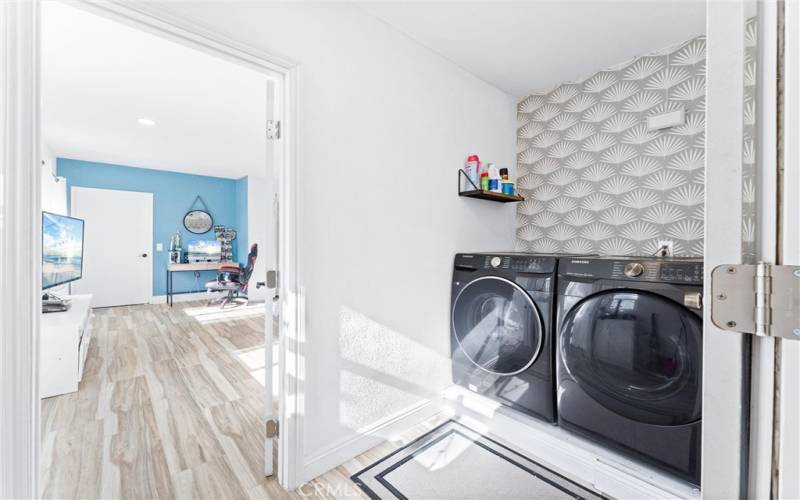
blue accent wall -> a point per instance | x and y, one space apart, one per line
173 194
240 245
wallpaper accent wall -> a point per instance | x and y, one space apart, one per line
595 179
749 145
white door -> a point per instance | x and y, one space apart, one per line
118 242
272 319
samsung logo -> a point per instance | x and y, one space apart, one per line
579 262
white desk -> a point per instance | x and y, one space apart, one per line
63 344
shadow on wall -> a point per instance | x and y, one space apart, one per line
383 372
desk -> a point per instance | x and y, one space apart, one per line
190 267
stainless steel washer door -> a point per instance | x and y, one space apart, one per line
497 325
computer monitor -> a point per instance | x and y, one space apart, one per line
62 249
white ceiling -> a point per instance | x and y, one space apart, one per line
524 46
100 76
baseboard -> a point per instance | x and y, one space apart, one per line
341 451
580 459
181 297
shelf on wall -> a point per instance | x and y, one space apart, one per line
492 196
486 195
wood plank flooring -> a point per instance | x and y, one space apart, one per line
171 406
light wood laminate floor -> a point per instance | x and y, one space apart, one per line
171 406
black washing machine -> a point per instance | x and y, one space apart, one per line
629 357
500 335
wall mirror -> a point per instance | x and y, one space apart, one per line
198 221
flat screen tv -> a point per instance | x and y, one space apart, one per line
62 249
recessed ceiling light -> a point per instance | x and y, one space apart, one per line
146 122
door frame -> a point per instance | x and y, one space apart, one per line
73 190
21 304
726 355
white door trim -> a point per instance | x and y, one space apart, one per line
725 354
787 484
20 248
20 106
763 356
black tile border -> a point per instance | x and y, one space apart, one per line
381 475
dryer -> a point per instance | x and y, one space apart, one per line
501 339
629 357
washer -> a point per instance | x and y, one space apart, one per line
629 357
501 342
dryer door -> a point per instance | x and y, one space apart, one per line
636 353
497 325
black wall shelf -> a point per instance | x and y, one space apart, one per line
485 195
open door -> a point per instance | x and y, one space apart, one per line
272 299
751 445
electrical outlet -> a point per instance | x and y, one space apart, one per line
159 247
666 248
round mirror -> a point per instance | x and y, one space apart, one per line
198 221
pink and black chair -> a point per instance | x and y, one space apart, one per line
232 282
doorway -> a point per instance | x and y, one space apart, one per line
196 355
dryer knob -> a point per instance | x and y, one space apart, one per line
496 261
633 269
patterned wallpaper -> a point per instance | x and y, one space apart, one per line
597 181
748 147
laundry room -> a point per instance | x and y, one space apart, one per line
428 250
583 344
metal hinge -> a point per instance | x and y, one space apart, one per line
272 428
273 129
762 299
272 279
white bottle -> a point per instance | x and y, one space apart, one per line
471 167
494 175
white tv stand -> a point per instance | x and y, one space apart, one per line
63 344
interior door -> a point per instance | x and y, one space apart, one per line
273 298
118 243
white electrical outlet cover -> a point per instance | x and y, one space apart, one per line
669 245
665 120
159 247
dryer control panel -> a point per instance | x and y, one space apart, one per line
646 269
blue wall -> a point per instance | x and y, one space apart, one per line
240 248
173 193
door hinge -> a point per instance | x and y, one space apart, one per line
762 299
272 428
273 129
272 279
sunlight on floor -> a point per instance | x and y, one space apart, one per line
215 314
447 451
254 361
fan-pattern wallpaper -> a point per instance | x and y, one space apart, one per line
596 180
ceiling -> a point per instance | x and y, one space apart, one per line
524 46
100 77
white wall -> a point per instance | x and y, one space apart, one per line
54 193
384 124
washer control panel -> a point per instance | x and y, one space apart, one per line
522 263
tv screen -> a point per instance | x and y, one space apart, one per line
62 249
